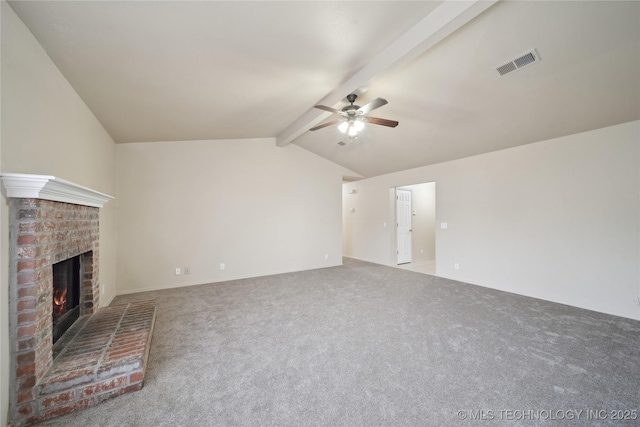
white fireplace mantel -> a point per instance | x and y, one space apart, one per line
26 186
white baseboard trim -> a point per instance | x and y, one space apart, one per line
106 303
210 281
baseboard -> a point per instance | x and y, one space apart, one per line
212 281
166 286
542 298
366 260
106 303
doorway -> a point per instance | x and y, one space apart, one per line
415 234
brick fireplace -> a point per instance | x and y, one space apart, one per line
43 233
51 220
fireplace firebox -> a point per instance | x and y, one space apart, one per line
66 295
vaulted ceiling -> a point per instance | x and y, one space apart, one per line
182 70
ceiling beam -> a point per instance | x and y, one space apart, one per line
443 21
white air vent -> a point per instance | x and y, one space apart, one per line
520 62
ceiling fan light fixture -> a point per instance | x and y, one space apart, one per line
354 116
351 127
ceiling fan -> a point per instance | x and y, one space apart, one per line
353 116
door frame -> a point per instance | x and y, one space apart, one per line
392 212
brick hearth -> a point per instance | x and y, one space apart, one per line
107 358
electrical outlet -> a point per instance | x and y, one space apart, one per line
326 256
177 271
221 266
187 270
456 266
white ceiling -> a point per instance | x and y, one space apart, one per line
160 70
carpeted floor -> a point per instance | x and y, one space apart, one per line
369 345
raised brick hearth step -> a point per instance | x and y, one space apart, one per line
107 358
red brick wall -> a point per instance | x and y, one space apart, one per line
43 233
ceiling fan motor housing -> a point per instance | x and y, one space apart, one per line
352 109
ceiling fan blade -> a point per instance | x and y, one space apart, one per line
329 109
324 125
376 103
382 122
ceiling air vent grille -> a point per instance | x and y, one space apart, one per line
521 61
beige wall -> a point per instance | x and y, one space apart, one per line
257 208
557 220
47 129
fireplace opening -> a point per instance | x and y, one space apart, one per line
66 295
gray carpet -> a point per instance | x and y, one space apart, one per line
368 345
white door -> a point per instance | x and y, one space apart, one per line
403 215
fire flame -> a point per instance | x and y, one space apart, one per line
59 300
